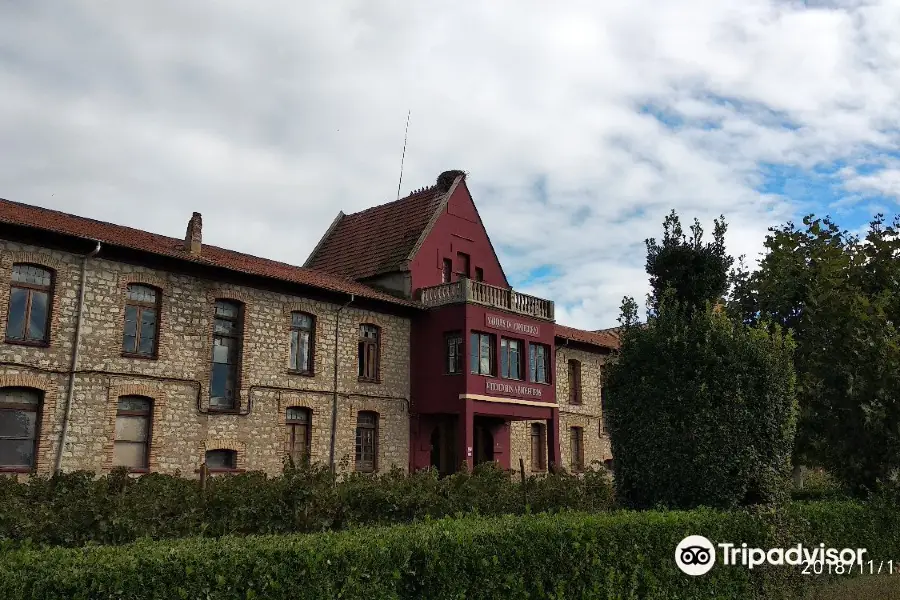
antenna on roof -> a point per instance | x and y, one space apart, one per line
403 157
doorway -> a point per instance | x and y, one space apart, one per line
483 441
443 446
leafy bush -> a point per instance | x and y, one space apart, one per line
619 555
77 508
701 411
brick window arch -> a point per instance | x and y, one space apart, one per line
30 304
20 424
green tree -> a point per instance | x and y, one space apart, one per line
701 409
697 272
839 295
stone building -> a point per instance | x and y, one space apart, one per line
399 343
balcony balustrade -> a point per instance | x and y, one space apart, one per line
477 292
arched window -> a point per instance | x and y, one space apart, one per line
299 427
30 297
139 336
302 342
19 426
369 349
366 441
131 447
227 337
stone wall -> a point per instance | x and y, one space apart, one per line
588 415
179 374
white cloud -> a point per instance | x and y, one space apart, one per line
270 118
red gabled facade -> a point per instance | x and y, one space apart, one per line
473 349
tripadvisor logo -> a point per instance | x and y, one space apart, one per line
695 555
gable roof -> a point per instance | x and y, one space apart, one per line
16 213
379 239
601 338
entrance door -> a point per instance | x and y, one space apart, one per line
484 443
443 447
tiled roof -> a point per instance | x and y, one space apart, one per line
118 235
595 338
377 240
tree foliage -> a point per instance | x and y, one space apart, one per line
840 297
697 272
701 411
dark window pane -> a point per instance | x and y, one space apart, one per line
38 322
225 327
17 424
221 459
225 309
20 396
129 331
219 386
18 300
224 350
299 415
301 320
148 331
16 453
134 403
294 343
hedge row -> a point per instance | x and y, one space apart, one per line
78 508
614 555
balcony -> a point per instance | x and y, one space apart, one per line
476 292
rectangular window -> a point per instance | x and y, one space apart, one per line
463 264
366 441
221 460
455 355
538 447
19 417
227 336
576 448
574 382
141 317
302 341
481 354
510 359
28 316
298 434
539 363
369 342
447 271
479 274
131 447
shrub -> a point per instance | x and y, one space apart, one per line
701 411
77 508
619 555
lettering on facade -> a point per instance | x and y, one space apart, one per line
518 390
498 322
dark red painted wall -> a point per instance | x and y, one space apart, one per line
477 384
458 229
433 391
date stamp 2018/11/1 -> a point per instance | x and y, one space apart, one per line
869 567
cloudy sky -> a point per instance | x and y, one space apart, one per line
581 124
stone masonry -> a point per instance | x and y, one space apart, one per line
588 415
179 375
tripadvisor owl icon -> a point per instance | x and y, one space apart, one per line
695 555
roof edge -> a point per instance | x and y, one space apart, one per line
324 237
433 220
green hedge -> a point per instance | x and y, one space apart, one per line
613 555
78 508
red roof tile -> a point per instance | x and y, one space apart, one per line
595 338
118 235
377 240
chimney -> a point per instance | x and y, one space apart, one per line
194 235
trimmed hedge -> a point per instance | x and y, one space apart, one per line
78 508
619 555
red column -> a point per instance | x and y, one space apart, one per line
466 434
553 434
